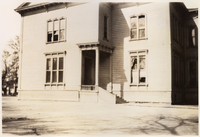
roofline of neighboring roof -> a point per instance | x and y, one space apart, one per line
21 8
193 9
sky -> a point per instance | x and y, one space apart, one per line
11 20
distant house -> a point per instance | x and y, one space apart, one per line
108 52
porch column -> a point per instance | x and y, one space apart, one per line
97 68
111 59
80 82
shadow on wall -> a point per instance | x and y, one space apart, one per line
120 30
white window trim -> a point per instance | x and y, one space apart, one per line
139 53
52 55
133 39
56 19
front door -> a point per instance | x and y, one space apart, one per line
89 70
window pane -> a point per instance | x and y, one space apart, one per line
134 77
48 75
49 37
56 25
48 64
134 62
60 63
193 32
134 73
141 21
54 79
142 77
62 34
134 22
141 33
54 63
133 33
60 76
55 37
142 69
142 62
105 27
50 26
193 41
62 24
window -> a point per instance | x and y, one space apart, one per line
105 27
55 68
138 67
138 27
56 30
192 37
192 74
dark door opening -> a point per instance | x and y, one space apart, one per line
89 72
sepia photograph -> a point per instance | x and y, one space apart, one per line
99 68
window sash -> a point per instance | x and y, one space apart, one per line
105 27
56 30
138 75
138 27
54 69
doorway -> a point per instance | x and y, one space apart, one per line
88 72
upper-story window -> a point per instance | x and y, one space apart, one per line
105 28
192 37
138 27
56 30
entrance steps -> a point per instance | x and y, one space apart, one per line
100 95
105 96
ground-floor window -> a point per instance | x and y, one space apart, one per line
192 73
55 68
138 67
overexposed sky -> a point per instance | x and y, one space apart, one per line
11 20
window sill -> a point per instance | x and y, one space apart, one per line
139 85
54 84
138 39
55 42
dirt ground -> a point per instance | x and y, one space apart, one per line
44 118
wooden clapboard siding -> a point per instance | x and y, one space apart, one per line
105 10
82 27
158 45
104 70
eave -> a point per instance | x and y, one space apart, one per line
37 6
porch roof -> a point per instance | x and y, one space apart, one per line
94 46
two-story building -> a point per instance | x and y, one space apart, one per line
108 52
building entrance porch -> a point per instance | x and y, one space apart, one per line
94 59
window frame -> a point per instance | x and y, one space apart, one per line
139 53
59 29
189 73
105 27
51 56
138 28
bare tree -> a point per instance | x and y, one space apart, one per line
10 65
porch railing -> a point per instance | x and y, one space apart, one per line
88 87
